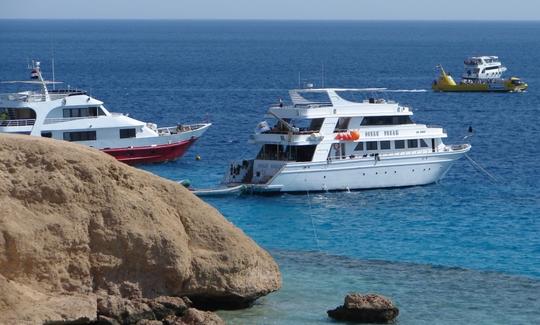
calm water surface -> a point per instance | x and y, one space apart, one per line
465 250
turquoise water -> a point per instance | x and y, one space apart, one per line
464 250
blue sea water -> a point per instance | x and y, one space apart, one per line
463 251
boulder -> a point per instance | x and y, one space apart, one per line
77 226
370 308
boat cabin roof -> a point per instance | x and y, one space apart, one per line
328 96
480 60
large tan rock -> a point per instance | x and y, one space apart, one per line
75 223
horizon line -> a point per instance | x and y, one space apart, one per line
280 19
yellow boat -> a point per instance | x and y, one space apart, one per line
482 74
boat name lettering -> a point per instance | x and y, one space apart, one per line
391 132
372 133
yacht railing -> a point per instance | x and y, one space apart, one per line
401 153
179 129
30 97
25 122
67 119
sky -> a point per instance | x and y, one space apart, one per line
273 9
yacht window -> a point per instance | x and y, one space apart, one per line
385 145
423 144
315 124
46 134
386 120
412 143
290 153
399 144
80 112
80 136
127 133
342 124
18 113
371 145
359 147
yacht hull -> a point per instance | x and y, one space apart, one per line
363 173
151 154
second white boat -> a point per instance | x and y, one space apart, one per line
337 144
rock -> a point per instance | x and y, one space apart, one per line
124 310
371 308
197 317
76 225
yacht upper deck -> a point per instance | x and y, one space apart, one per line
39 96
329 102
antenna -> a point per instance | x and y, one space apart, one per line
53 72
299 81
322 74
52 63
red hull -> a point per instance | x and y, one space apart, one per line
150 154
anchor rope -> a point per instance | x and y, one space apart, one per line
482 169
313 223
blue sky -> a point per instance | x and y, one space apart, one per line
274 9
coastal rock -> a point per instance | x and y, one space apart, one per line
77 226
198 317
371 308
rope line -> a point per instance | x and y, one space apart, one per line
481 169
313 223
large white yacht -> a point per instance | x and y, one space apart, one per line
334 143
73 115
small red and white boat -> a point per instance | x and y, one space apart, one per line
72 115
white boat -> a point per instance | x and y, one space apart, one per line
338 144
73 115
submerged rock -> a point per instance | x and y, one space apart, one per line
371 308
76 226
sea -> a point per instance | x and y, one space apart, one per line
465 250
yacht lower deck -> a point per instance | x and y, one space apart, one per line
348 174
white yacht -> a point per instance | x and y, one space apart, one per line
337 144
483 68
73 115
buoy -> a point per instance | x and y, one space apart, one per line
197 157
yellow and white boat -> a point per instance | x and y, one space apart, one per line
482 74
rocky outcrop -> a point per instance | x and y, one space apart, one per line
371 308
113 310
77 226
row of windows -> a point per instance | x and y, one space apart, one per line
127 133
386 120
343 122
89 135
82 112
80 136
385 145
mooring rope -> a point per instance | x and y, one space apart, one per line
482 169
313 223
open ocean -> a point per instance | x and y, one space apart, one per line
463 251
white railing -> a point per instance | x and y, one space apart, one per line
26 122
67 119
179 129
31 97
